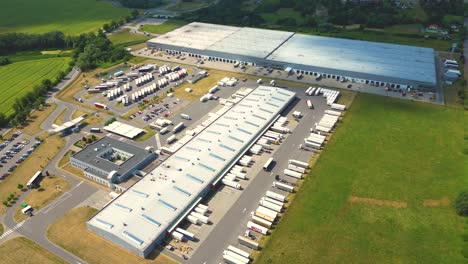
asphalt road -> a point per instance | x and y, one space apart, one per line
234 221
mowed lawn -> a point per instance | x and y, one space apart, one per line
20 77
165 27
25 251
382 190
72 16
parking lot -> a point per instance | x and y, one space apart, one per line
14 151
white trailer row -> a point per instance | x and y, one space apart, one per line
245 161
231 184
144 79
175 76
164 69
330 95
114 93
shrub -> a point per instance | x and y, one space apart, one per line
461 204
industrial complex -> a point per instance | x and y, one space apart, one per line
377 64
142 216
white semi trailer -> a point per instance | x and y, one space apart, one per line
236 256
283 187
232 184
299 163
276 196
296 168
293 174
200 217
257 228
261 221
271 206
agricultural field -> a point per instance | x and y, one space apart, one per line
381 191
167 26
20 77
14 251
71 17
125 38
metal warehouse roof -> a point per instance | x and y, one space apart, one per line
150 207
124 129
195 35
388 61
397 61
242 41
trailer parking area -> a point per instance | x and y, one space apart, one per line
231 208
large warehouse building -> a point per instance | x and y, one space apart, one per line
140 217
378 64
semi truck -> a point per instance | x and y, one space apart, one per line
231 260
238 251
338 107
296 168
178 127
201 217
170 139
242 259
268 164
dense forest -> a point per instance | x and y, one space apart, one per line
315 12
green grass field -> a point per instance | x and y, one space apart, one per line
72 17
381 192
124 38
20 77
169 25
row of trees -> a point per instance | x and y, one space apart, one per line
4 61
141 3
437 9
115 24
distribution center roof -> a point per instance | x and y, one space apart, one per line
242 41
398 61
390 61
146 210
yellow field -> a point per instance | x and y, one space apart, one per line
24 251
70 232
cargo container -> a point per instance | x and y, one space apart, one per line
201 217
238 251
276 196
293 174
185 233
170 139
232 184
257 228
271 206
283 187
248 242
261 221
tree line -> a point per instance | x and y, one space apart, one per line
142 4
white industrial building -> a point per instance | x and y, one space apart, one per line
142 216
378 64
